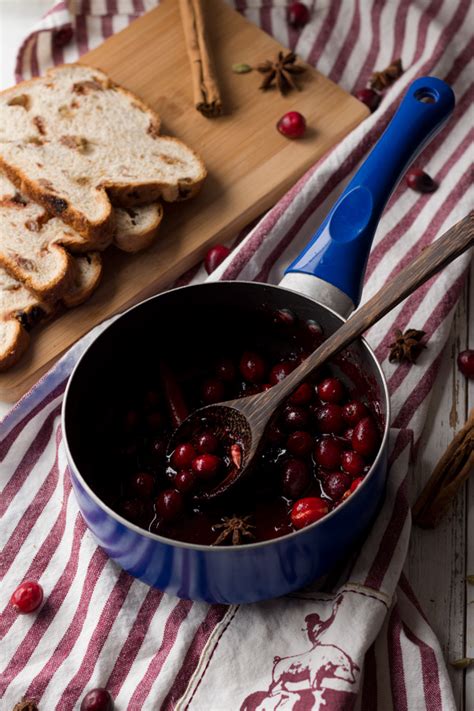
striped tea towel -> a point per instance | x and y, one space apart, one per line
362 643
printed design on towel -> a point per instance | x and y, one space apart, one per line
307 681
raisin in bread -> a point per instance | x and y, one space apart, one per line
32 244
21 309
75 142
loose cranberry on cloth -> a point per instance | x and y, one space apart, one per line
359 641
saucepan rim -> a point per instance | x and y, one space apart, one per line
237 550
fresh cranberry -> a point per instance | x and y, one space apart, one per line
183 456
336 484
327 453
303 395
63 35
284 317
169 504
353 411
299 443
207 443
252 367
369 97
331 390
295 418
280 371
292 125
142 484
185 480
365 439
132 509
213 391
418 180
329 419
353 463
307 511
27 597
215 256
226 370
298 14
97 700
466 363
154 421
295 478
206 466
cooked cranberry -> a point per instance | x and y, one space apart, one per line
206 466
295 478
215 256
275 434
466 363
154 421
213 391
365 439
347 434
185 480
158 448
207 443
169 504
292 125
353 463
355 484
420 181
335 484
183 456
307 511
280 371
299 443
295 418
353 411
226 370
131 420
142 484
132 509
303 395
284 317
97 700
298 14
327 452
27 597
369 97
252 367
265 387
331 390
329 419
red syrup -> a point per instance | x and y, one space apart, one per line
308 454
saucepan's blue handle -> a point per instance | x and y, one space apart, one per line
338 251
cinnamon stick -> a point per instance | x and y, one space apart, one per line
207 99
452 470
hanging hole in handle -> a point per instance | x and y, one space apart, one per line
426 96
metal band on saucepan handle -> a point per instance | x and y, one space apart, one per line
331 268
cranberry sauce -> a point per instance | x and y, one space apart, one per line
317 449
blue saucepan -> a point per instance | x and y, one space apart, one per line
322 284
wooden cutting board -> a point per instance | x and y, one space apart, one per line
250 164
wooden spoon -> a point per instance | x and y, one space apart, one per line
246 418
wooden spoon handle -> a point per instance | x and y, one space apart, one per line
430 261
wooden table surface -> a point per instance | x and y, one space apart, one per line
438 560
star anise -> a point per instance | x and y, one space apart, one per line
237 527
407 346
382 80
280 72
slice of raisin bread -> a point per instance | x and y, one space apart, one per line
32 245
75 142
21 309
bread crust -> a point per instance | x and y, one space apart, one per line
15 339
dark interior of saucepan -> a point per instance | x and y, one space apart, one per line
191 330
